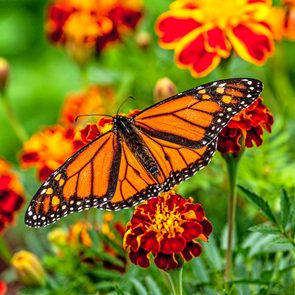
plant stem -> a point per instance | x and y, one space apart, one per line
175 280
232 169
5 251
14 122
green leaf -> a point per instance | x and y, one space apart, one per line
265 229
139 287
260 203
285 208
152 286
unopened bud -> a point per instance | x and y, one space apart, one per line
58 238
29 269
4 74
164 88
143 39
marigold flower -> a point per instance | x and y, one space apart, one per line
91 24
29 268
245 128
48 149
91 101
168 227
11 194
204 32
79 234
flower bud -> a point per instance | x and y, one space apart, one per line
164 88
4 74
29 269
57 238
143 40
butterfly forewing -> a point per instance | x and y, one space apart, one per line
195 117
85 180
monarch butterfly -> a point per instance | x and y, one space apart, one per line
144 154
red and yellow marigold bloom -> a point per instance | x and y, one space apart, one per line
203 32
168 227
48 149
3 288
245 128
91 24
11 195
93 100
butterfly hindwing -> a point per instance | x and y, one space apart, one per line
87 179
195 117
176 163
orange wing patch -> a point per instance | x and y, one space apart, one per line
134 183
86 180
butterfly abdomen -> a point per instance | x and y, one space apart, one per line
131 136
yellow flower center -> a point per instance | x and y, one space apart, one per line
84 28
228 13
166 221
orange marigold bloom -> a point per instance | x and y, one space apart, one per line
79 234
91 23
245 128
168 227
11 195
203 32
91 101
48 149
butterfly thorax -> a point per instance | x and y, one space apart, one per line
128 133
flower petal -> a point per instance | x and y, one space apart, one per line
140 258
172 245
192 249
191 230
165 262
150 243
252 42
191 53
216 42
171 27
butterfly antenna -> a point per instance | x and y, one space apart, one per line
123 102
89 115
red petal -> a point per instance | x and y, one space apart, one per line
251 45
171 28
140 258
207 227
218 43
193 54
172 245
165 262
255 134
150 243
191 230
192 249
